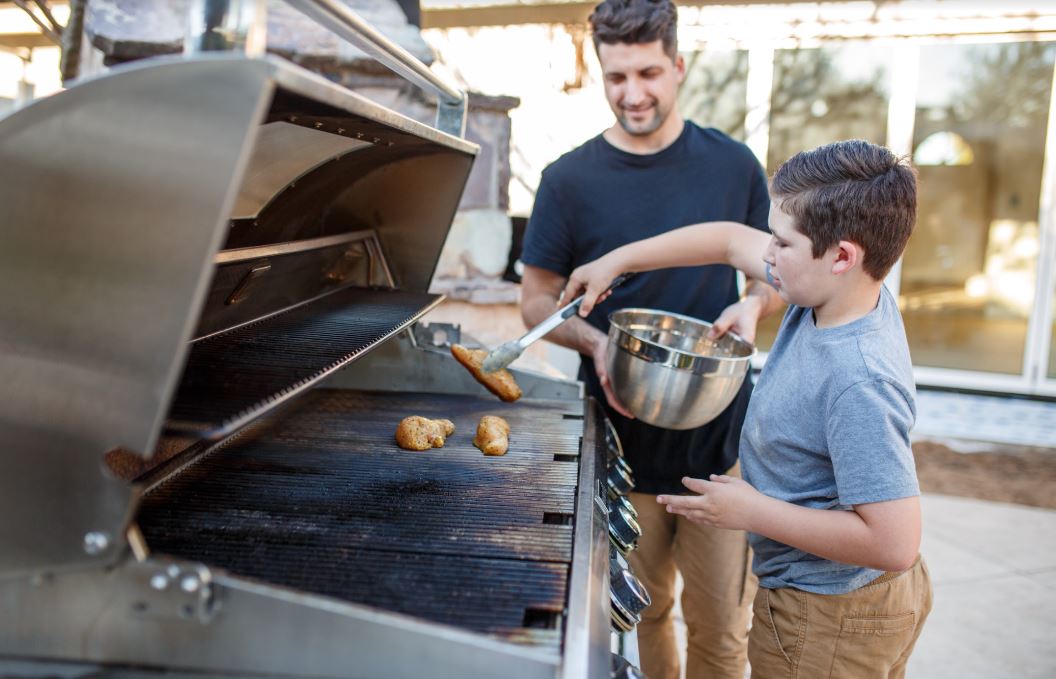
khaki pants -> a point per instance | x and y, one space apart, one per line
864 634
716 569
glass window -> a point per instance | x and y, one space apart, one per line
824 95
714 93
820 96
968 274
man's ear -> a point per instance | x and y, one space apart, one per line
680 68
847 255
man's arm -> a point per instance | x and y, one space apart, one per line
880 535
540 290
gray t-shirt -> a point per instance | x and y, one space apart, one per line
828 428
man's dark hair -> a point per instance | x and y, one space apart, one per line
850 190
635 22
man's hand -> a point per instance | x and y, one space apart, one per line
601 347
723 502
741 317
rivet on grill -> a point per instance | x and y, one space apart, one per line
375 140
293 119
359 135
96 542
340 130
318 126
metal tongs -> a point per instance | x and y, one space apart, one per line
505 354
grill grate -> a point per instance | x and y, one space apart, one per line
322 500
233 377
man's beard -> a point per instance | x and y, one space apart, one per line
645 128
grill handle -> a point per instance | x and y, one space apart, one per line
451 102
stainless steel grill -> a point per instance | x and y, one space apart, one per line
206 347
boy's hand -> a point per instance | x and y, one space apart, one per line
591 281
723 502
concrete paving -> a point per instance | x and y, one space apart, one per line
993 568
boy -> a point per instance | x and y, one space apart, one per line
829 492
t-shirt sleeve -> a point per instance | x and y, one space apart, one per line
868 438
758 198
548 238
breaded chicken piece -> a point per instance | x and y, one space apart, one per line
493 435
421 433
500 382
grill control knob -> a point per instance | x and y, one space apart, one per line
624 530
627 599
621 669
622 501
616 563
612 442
619 481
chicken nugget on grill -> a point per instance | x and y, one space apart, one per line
421 433
500 382
493 435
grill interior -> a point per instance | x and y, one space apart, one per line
322 500
232 377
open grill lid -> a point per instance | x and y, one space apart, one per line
134 206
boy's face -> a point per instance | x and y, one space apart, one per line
641 84
799 278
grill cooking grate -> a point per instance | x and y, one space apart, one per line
322 500
233 377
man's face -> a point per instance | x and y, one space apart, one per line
799 278
641 84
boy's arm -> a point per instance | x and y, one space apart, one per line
881 535
708 243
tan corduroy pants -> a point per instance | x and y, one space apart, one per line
865 634
716 569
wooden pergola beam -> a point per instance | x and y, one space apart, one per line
542 13
26 40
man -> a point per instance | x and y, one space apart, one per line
647 174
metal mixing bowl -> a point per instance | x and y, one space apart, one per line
667 372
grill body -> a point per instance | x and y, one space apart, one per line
209 346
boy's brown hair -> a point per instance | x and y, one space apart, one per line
850 190
636 22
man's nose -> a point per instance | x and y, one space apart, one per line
634 93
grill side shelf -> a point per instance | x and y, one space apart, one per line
232 378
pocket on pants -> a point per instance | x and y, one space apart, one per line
869 645
786 621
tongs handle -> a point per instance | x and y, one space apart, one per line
566 312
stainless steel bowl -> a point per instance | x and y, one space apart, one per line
667 372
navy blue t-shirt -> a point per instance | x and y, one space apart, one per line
596 198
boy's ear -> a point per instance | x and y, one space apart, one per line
847 256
